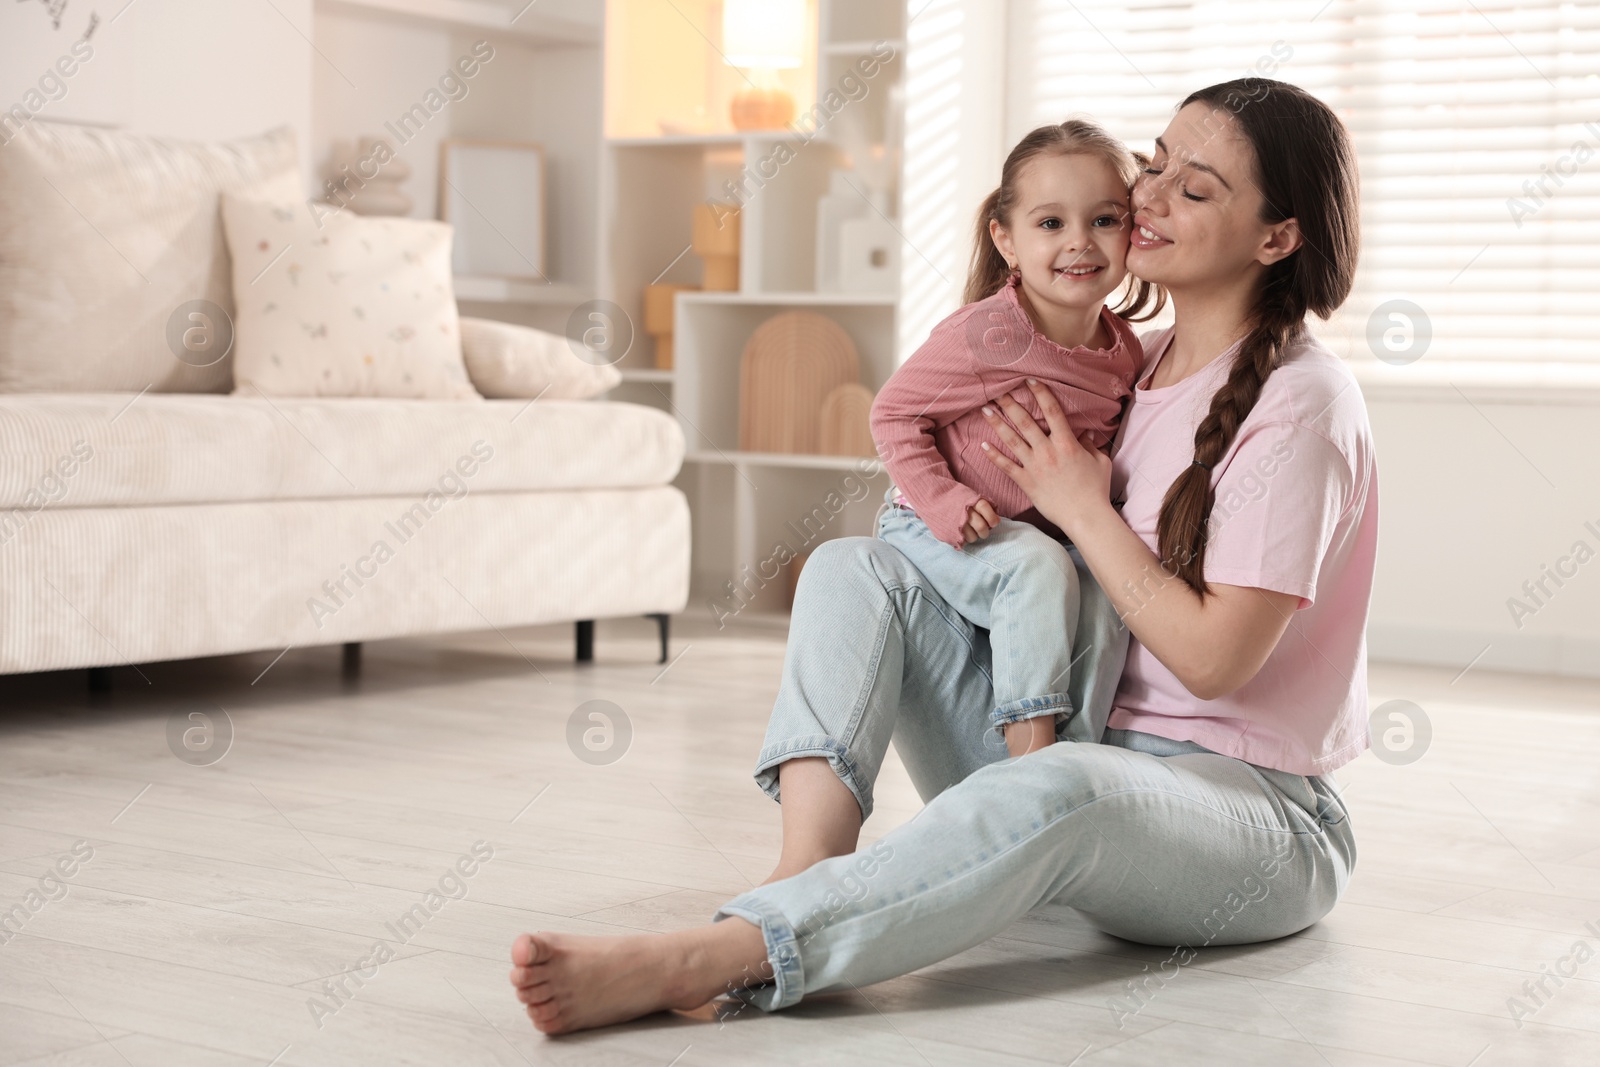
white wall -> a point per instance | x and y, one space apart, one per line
191 69
1474 500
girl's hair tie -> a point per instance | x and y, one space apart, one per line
1207 466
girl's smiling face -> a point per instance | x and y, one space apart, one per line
1197 207
1068 231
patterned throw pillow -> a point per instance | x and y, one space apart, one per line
342 306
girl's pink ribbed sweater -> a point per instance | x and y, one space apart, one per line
928 422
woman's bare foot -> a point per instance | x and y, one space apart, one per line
570 982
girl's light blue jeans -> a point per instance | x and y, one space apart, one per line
1157 841
1046 615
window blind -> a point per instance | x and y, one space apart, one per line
1476 126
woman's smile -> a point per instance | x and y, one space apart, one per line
1146 236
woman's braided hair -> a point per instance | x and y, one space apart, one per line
1305 169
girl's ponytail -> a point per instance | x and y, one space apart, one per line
989 268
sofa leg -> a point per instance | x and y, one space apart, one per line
661 618
350 662
99 679
585 640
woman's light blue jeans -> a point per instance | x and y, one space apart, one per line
1040 605
1156 841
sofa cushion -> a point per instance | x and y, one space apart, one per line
108 242
214 579
340 305
508 360
88 449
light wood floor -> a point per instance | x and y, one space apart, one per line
219 899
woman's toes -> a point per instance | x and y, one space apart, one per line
526 976
530 949
546 1017
536 994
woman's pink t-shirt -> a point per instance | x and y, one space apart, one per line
1297 512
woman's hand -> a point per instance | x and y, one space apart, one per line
1062 477
1212 645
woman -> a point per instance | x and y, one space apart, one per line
1206 815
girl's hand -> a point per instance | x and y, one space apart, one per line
1063 477
981 519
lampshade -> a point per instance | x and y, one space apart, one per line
763 33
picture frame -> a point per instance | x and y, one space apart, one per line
493 193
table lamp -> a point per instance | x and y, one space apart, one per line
763 37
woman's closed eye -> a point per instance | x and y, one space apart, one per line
1156 170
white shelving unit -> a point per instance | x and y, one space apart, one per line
539 24
544 85
489 290
745 504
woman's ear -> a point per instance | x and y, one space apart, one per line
1283 239
1002 241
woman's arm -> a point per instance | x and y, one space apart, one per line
1213 646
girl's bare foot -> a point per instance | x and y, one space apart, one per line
570 982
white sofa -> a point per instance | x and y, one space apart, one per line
139 528
161 523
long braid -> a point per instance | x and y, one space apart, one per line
1306 171
1184 525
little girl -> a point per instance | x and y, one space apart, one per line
1051 246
